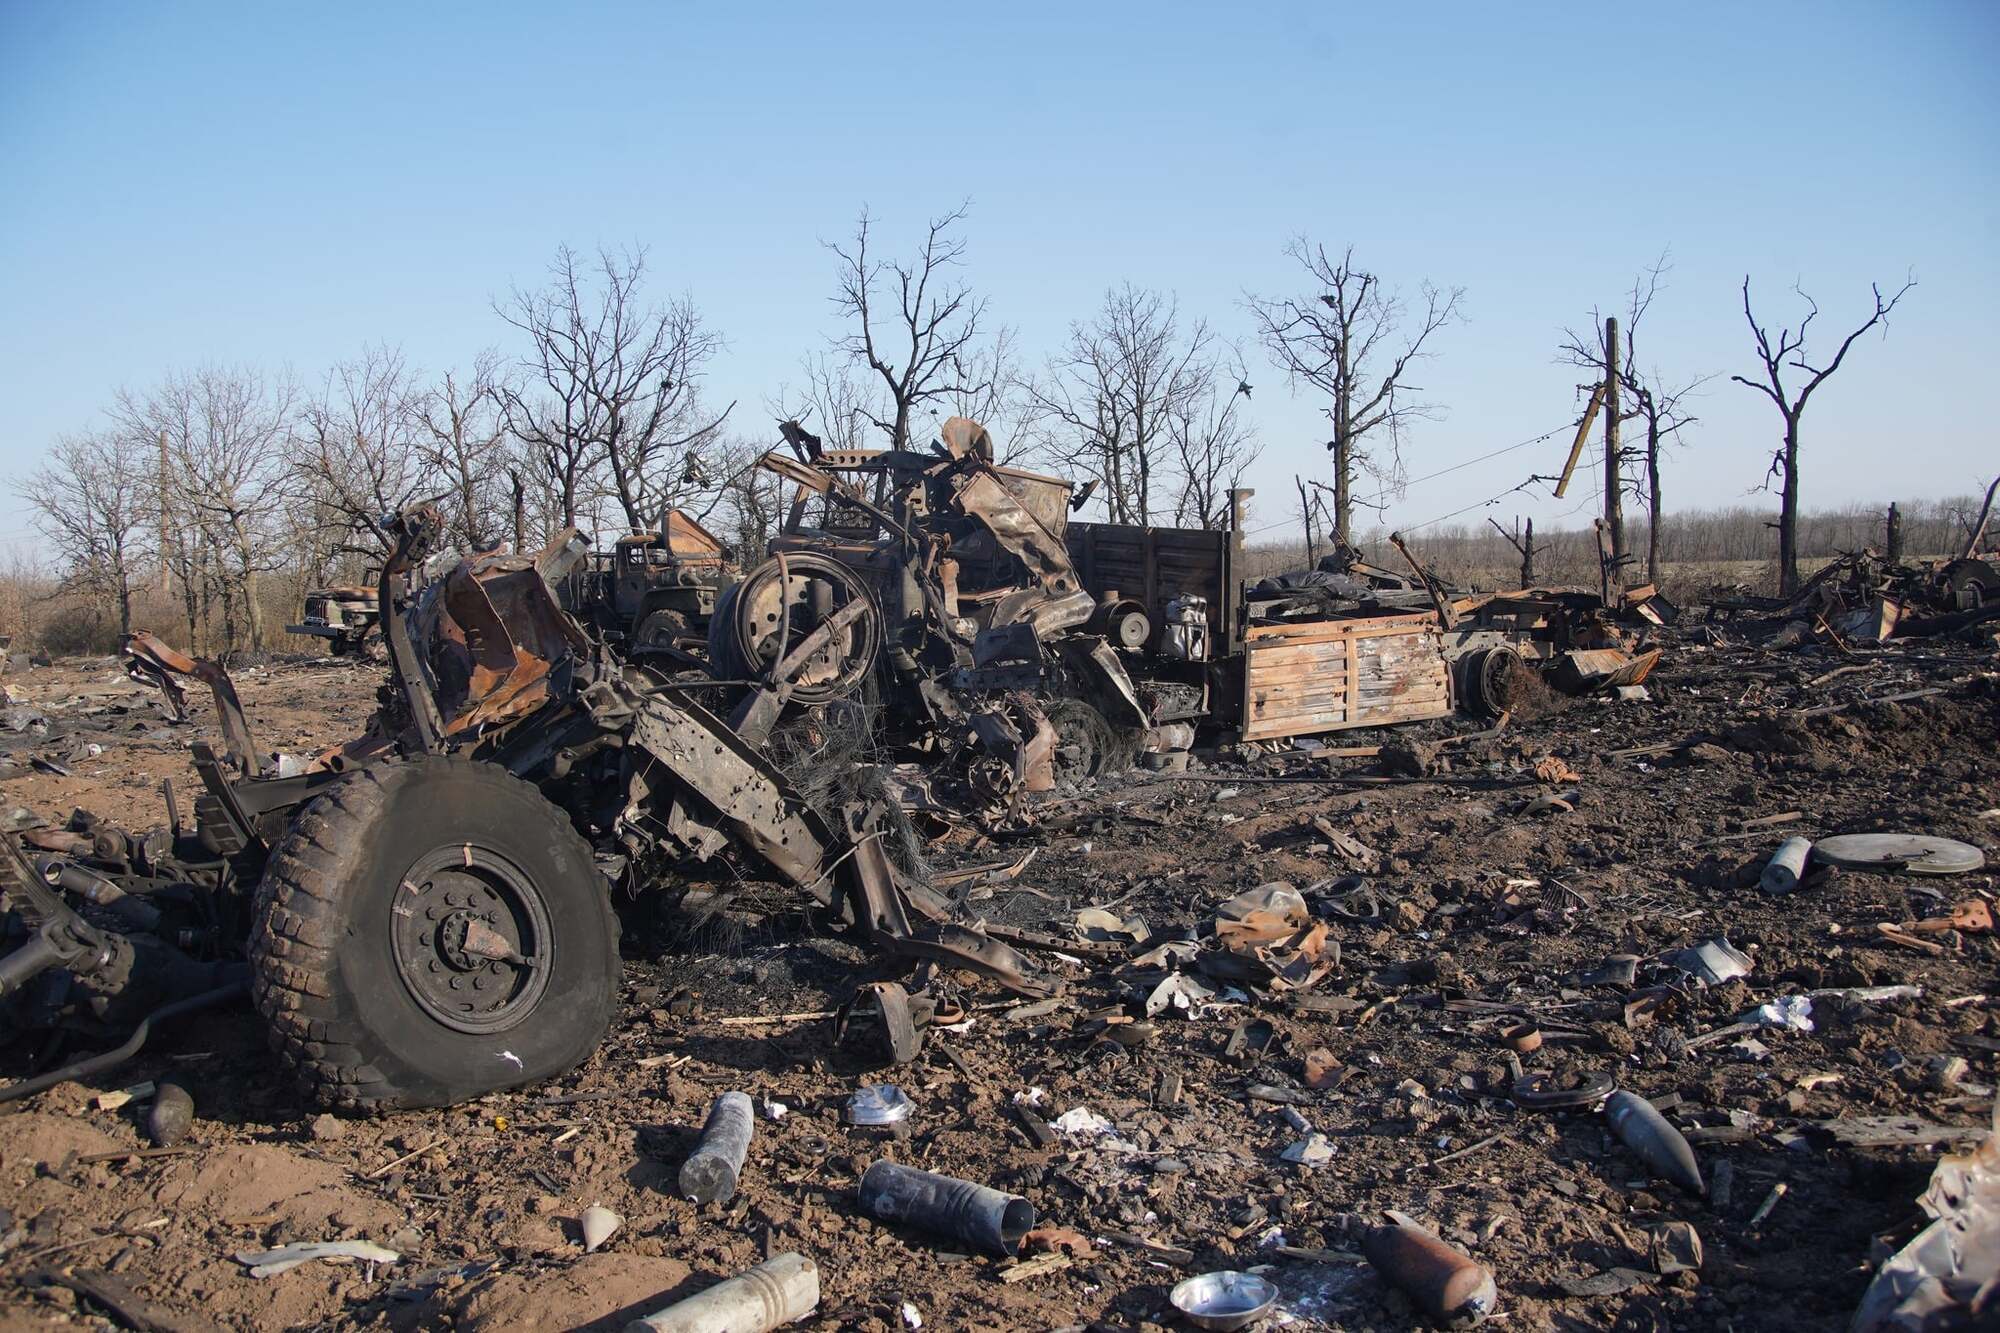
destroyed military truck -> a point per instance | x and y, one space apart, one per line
424 913
342 614
653 593
952 612
954 585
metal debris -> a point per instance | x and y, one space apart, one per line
1444 1283
710 1172
1909 853
878 1104
270 1263
986 1218
1654 1140
1787 866
1224 1300
781 1290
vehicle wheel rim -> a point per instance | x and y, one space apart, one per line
661 629
1076 754
471 938
1493 669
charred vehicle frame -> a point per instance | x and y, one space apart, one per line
426 910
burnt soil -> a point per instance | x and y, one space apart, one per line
1475 915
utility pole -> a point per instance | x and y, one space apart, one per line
1614 500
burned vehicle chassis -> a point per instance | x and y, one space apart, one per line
428 907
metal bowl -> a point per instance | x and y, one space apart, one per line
1224 1300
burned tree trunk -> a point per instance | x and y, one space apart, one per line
1653 507
1775 357
1788 512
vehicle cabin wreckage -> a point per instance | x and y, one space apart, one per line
424 913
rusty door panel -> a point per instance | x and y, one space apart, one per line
1328 675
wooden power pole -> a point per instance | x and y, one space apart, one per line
1614 500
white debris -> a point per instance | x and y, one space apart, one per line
598 1224
1312 1150
270 1263
1082 1122
1793 1011
1178 992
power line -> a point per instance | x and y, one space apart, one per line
1543 438
1593 466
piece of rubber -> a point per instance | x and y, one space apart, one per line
1539 1092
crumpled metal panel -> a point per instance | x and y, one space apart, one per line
492 634
150 659
1062 602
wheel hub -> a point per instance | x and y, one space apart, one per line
470 938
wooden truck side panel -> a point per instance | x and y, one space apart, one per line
1299 679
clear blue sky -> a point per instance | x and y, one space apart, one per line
280 184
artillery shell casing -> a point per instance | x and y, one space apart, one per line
1443 1282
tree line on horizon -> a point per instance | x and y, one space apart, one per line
221 490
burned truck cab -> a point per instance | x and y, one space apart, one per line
936 587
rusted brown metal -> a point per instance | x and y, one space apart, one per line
152 661
494 633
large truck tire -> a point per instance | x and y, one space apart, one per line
431 931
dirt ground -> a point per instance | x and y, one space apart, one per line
1474 915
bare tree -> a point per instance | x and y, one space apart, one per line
1787 351
1312 513
994 393
462 440
92 501
355 452
1348 340
832 403
221 482
1109 401
1661 406
750 502
1214 445
916 328
619 385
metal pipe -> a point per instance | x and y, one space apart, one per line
979 1216
88 884
709 1174
1787 867
779 1290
